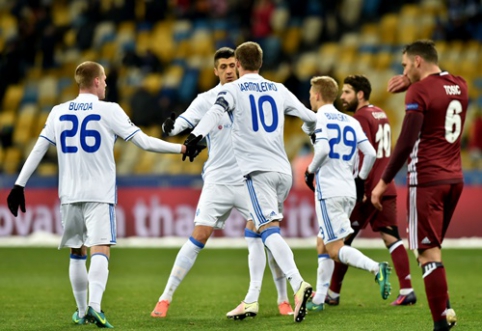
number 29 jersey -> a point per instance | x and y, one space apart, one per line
84 131
442 99
334 178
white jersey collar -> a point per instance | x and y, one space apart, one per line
87 97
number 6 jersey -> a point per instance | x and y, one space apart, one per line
84 131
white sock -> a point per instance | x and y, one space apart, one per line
283 255
278 278
353 257
256 263
184 261
79 281
98 274
325 271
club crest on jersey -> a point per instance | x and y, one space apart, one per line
80 106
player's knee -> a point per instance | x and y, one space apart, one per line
391 231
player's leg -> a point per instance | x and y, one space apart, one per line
73 224
358 221
385 223
267 191
335 226
215 201
323 277
430 211
284 306
101 234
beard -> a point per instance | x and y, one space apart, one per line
351 106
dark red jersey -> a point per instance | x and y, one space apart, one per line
376 126
442 99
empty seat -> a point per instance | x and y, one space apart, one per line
12 97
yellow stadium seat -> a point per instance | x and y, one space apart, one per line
207 79
153 83
13 96
292 39
11 160
24 125
388 29
60 13
47 169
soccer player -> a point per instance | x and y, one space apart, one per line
257 107
338 138
223 190
85 130
355 97
436 106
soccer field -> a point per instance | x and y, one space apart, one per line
35 293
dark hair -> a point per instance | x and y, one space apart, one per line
423 48
359 83
223 53
249 55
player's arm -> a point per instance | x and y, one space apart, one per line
295 107
398 84
369 158
321 147
224 103
151 144
16 198
187 120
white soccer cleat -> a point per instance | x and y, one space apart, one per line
301 297
451 317
244 310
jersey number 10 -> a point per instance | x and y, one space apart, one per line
257 111
84 133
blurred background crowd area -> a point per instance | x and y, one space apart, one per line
158 56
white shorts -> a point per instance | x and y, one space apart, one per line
217 201
267 191
88 224
333 216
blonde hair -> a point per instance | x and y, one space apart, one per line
326 86
86 72
249 55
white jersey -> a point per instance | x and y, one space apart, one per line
221 166
334 178
84 131
257 107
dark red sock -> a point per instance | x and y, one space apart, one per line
338 275
436 289
401 264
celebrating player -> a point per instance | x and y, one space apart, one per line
223 190
85 130
338 137
257 107
374 122
436 105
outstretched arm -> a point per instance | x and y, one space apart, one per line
33 160
151 144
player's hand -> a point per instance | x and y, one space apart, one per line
360 189
397 84
192 148
377 194
309 177
168 124
16 199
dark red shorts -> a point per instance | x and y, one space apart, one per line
430 210
365 213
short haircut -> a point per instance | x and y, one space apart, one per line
326 86
423 48
249 55
359 83
223 53
86 72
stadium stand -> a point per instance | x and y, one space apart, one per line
161 51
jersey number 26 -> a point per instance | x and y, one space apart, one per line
84 134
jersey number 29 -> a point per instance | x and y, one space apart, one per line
84 133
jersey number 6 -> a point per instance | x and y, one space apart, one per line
84 133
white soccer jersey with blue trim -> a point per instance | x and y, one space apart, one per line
258 107
84 131
335 176
221 166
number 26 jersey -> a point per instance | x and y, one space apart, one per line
84 131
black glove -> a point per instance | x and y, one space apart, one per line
168 124
313 138
360 189
309 180
15 199
192 147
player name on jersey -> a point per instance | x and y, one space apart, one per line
80 106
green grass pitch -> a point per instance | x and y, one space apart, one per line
35 293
